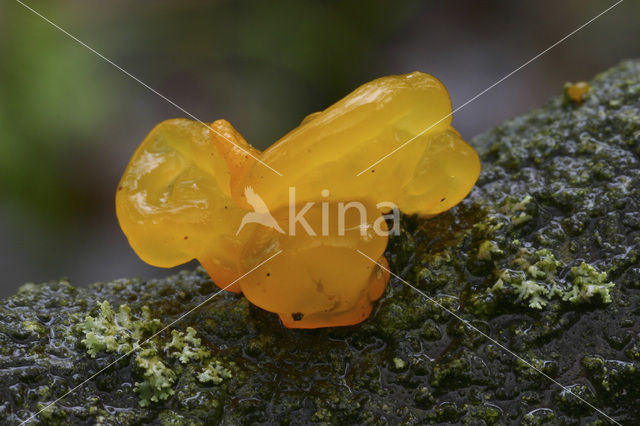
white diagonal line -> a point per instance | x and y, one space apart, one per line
137 346
82 43
494 341
492 86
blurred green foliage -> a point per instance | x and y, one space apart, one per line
48 113
57 99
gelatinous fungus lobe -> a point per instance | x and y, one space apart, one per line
197 191
404 120
173 204
321 278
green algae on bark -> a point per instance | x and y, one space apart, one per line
557 204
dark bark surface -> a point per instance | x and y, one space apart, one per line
543 257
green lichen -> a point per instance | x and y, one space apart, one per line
34 326
588 282
487 249
535 281
516 209
158 378
399 364
108 332
214 372
186 347
121 333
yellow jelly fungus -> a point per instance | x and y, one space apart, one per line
321 280
577 91
196 191
328 150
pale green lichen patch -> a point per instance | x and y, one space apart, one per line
158 378
214 372
108 332
588 282
399 363
122 333
517 209
488 249
535 281
34 327
186 347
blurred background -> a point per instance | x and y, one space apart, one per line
69 121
